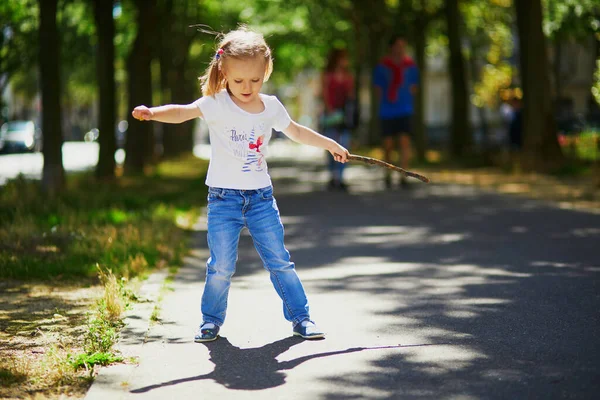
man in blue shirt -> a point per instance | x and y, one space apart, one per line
396 80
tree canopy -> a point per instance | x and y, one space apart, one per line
301 33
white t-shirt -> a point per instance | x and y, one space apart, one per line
239 140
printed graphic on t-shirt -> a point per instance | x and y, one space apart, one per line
248 147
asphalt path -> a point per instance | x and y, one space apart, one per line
77 156
438 292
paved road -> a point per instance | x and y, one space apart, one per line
441 292
77 156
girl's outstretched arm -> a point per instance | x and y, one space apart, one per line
171 113
302 134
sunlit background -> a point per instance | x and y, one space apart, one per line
301 33
442 290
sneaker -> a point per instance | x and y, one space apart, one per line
207 332
308 330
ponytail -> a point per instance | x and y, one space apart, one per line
213 80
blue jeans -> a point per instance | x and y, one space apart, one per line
342 136
229 211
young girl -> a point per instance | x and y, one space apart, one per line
240 120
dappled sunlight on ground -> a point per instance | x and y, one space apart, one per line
440 291
578 192
484 287
36 321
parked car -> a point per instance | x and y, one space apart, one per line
20 136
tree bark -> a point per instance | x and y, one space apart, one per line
483 123
557 70
358 68
541 149
53 173
175 85
461 138
182 139
420 39
139 146
165 57
374 38
105 70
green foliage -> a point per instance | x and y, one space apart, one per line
102 330
300 32
576 19
88 361
78 69
596 85
583 147
101 335
488 28
588 146
18 46
155 312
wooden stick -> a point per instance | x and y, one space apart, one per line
374 161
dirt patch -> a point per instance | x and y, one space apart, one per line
40 324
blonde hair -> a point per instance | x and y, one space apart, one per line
241 43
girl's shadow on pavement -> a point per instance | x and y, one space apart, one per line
250 369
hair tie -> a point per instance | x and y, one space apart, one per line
218 55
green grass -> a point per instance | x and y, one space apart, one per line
583 147
129 226
154 317
89 360
103 326
588 146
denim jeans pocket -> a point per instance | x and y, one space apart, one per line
215 194
267 194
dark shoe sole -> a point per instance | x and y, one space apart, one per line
206 340
317 336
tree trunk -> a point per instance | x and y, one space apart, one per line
361 132
374 136
483 123
105 70
182 139
53 174
358 71
139 146
461 138
557 72
420 132
165 58
541 149
176 88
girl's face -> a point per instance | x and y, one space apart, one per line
245 77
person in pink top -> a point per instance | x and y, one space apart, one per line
338 97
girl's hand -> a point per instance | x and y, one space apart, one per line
339 152
142 113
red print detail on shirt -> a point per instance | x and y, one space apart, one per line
256 146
